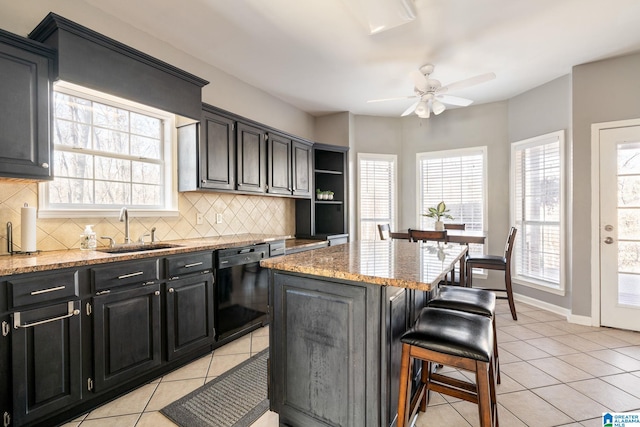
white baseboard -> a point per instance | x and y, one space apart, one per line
566 313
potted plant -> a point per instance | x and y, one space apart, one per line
438 213
329 195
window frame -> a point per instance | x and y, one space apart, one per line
458 152
392 158
555 137
168 161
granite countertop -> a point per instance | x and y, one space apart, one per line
387 263
52 260
297 245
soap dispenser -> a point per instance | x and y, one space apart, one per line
88 238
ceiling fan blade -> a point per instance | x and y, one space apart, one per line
471 81
391 99
454 100
419 80
410 109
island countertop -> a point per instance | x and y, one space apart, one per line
387 263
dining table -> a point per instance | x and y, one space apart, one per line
463 237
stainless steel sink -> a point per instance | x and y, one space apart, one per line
137 248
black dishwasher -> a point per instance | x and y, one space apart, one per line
242 291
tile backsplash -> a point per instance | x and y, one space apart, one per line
240 214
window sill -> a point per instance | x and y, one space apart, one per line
100 213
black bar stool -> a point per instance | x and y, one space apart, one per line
452 338
476 301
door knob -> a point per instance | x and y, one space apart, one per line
608 227
608 240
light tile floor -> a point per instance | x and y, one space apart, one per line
554 373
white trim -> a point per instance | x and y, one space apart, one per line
532 142
393 158
596 128
105 213
543 305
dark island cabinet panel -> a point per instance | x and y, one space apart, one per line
189 314
126 335
251 158
25 94
46 361
321 331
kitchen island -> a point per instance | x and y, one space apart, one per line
336 316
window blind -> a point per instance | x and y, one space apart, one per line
537 209
376 192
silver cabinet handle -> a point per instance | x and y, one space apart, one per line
171 290
45 291
71 311
156 293
126 276
608 240
195 264
45 165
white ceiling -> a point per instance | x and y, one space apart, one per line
315 54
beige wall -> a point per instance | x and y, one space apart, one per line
241 214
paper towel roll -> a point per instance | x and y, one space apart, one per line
28 229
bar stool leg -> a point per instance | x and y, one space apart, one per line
483 382
405 383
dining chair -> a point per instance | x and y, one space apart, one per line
427 235
496 262
384 230
450 226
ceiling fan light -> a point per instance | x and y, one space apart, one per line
422 108
438 107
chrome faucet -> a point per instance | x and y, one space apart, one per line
124 217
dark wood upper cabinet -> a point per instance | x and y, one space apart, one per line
251 158
218 151
25 114
301 165
279 164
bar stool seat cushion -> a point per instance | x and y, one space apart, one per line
470 300
488 259
455 333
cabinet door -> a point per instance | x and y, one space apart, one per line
397 325
251 159
126 329
320 332
47 372
217 152
189 314
301 167
279 167
24 113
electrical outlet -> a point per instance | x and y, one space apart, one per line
218 218
199 219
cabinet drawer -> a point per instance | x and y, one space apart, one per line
189 263
124 273
276 248
43 288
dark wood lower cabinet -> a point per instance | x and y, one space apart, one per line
189 314
335 350
127 335
46 368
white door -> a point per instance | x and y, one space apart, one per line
620 227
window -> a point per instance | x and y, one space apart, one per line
108 153
537 204
376 193
456 177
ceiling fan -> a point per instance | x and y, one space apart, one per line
432 95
